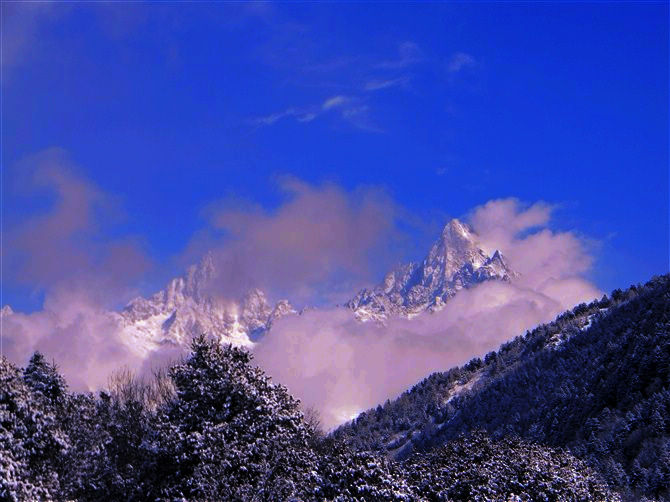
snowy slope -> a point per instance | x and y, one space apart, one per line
396 427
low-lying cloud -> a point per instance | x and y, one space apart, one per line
317 248
340 366
83 339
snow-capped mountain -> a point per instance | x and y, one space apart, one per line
454 262
188 307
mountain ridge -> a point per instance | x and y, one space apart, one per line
191 304
188 306
455 261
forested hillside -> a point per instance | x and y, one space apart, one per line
596 381
215 428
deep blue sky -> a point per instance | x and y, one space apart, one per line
170 106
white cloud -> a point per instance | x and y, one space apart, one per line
306 117
335 102
336 364
349 108
299 115
459 61
409 54
377 85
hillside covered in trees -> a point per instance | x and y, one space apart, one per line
215 428
595 382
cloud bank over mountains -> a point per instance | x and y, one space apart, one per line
317 247
340 366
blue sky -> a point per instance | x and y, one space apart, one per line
169 107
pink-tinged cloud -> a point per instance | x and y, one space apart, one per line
62 250
65 244
542 257
80 337
320 238
340 366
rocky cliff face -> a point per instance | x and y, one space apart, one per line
456 261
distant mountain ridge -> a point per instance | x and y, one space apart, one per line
189 307
455 261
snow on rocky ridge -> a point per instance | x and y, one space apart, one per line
187 307
456 261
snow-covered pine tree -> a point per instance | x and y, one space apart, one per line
43 378
230 433
347 475
31 442
475 467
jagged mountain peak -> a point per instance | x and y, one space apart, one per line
456 231
198 278
457 246
498 260
455 261
192 304
256 297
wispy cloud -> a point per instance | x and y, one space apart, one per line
460 61
409 54
273 117
358 80
299 115
306 117
336 102
379 84
351 109
359 116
